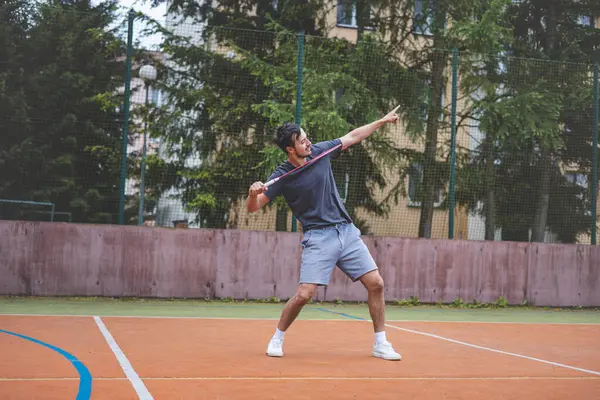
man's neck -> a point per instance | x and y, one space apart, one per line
296 161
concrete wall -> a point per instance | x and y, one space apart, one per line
49 259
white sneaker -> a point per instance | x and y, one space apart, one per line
275 348
385 350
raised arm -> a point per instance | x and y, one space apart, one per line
363 132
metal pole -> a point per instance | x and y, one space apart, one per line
143 166
126 117
299 95
453 144
35 203
595 158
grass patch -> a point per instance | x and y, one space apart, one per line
411 302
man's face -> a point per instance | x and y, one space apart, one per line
302 145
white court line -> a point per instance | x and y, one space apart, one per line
372 378
133 377
159 317
328 378
494 350
341 319
57 379
495 322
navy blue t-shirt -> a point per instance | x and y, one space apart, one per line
311 192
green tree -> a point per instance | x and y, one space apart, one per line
309 16
536 115
422 34
213 209
60 127
15 22
411 36
236 97
238 100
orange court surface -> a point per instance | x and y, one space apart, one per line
100 349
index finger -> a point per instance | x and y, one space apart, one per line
394 110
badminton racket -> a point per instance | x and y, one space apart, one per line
311 161
272 181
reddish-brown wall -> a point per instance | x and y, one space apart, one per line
98 260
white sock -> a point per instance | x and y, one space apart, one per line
380 337
279 334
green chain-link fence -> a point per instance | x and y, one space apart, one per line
60 119
487 147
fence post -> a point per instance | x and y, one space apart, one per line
595 157
126 117
143 163
453 145
299 95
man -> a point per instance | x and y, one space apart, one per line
330 237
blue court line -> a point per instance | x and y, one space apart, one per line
340 313
85 378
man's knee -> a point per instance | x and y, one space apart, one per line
305 292
373 281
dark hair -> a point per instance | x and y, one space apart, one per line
286 135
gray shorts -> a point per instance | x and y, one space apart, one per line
339 245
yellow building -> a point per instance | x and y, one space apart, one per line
403 219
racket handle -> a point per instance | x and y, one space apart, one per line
272 181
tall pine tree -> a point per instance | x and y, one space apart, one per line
60 126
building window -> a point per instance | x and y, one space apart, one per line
425 104
415 189
339 99
423 17
586 20
578 179
154 96
346 14
415 178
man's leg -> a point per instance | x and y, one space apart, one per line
318 261
358 264
304 293
373 282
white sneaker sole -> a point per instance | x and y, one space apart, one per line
387 357
275 354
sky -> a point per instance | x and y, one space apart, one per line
144 6
158 13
